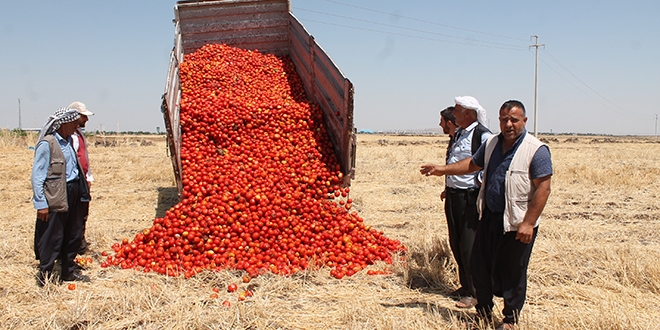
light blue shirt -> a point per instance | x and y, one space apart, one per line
462 149
41 164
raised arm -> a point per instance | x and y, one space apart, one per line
464 166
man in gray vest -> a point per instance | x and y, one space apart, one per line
58 185
516 185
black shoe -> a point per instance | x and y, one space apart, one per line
41 279
76 277
84 245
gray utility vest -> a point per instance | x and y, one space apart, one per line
55 184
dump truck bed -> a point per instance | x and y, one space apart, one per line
269 27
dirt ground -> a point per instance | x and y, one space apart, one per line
594 264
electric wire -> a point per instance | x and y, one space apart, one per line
607 106
411 36
487 44
616 106
424 21
409 29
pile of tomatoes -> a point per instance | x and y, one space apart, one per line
262 187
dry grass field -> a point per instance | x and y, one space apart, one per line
594 266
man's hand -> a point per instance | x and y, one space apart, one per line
443 195
431 169
89 185
525 233
42 214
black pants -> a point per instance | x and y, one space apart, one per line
499 267
462 222
60 236
84 212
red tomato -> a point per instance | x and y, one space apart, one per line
232 287
261 182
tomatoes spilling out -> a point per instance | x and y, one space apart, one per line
261 183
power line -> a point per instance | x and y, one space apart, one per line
612 106
578 79
424 21
587 94
20 127
406 28
536 45
408 35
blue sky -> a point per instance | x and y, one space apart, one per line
598 71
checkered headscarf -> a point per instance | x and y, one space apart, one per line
61 116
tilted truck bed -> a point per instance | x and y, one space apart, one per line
270 27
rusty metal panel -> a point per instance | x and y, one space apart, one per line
272 44
332 89
326 85
261 25
300 54
170 109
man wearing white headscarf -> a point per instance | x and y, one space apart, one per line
516 187
80 146
461 193
57 190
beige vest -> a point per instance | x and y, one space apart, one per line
519 188
55 184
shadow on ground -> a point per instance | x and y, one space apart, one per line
167 197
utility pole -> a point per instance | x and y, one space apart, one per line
19 115
656 126
536 83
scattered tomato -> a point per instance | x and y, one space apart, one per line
261 182
72 286
232 287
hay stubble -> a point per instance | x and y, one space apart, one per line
594 266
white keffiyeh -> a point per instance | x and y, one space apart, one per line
469 102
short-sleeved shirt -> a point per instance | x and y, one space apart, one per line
498 165
461 149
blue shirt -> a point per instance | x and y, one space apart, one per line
499 164
41 164
461 149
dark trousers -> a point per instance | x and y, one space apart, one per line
84 212
462 222
60 236
499 267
